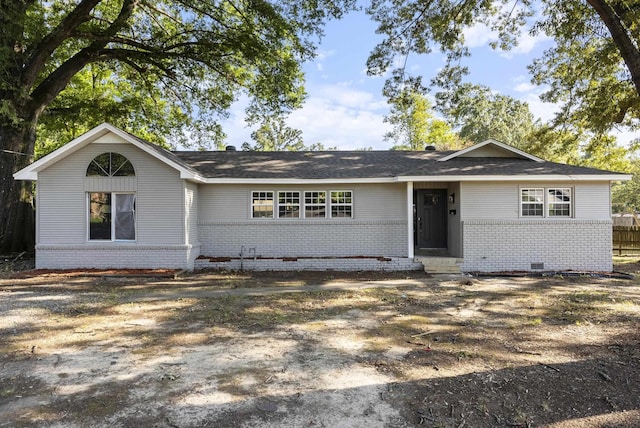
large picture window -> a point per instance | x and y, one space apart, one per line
546 202
112 216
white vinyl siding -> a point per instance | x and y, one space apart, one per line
62 196
231 202
502 200
495 200
592 201
378 228
191 212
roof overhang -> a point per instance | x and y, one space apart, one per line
31 172
554 177
435 178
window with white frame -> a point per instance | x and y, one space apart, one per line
341 203
110 165
559 202
262 204
288 204
112 216
545 202
532 202
315 204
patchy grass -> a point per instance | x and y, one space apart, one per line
436 352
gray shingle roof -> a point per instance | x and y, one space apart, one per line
363 164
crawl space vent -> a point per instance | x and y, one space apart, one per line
537 266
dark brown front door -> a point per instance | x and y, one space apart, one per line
430 218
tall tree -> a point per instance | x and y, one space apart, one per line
594 70
275 135
625 197
415 125
478 114
580 147
195 55
96 95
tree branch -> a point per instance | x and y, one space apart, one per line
53 84
43 50
628 50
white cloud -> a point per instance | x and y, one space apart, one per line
526 44
540 109
341 126
335 115
525 87
479 35
341 116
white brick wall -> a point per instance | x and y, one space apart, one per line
513 245
313 264
305 238
116 256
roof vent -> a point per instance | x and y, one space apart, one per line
430 148
230 148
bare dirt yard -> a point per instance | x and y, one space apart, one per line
216 349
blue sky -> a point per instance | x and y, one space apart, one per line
345 107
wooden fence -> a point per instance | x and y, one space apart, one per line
626 240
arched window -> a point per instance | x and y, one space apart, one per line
110 165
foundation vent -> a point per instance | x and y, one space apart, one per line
537 266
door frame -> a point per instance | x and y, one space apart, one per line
441 222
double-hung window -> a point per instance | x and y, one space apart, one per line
315 204
295 204
112 216
546 202
262 204
532 202
559 202
341 203
288 204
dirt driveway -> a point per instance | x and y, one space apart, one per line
105 351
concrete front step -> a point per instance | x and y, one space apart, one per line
440 264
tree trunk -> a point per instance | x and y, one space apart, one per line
17 226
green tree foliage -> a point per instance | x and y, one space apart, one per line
275 135
626 196
589 72
96 95
479 114
184 60
415 126
594 71
584 148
